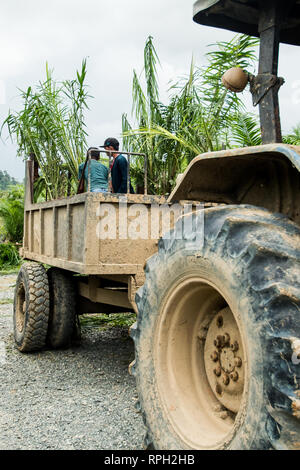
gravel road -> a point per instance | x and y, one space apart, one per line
81 398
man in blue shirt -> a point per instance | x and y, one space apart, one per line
98 173
119 166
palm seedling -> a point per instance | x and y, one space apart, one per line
197 119
50 128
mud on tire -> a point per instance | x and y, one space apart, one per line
248 264
63 324
31 307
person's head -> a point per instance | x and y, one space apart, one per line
111 145
94 152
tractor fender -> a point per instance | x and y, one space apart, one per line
266 176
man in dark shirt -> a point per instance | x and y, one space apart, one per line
119 166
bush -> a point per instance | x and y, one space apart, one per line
12 213
9 256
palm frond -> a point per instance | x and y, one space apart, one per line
293 138
245 130
198 118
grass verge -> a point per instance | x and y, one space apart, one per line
103 322
9 270
6 301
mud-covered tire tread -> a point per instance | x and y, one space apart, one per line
62 318
264 251
34 278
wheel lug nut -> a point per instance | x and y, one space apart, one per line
238 362
234 376
217 371
226 379
219 389
234 346
224 414
220 321
218 408
226 338
215 356
219 341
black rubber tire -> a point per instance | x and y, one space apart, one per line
255 256
32 291
62 319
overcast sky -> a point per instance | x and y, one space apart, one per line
111 35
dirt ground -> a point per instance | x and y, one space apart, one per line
80 398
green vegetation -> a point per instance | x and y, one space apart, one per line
294 137
12 213
202 116
11 227
51 129
10 269
9 257
6 301
199 117
103 321
6 180
245 132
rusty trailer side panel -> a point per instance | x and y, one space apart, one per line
63 233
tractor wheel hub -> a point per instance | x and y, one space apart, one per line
224 360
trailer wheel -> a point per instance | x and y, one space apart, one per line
63 324
31 308
217 331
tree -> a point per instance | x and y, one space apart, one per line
6 180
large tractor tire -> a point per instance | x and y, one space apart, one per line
31 308
62 320
217 329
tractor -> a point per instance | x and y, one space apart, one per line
217 335
217 357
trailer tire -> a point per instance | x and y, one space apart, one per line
31 308
62 320
242 278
